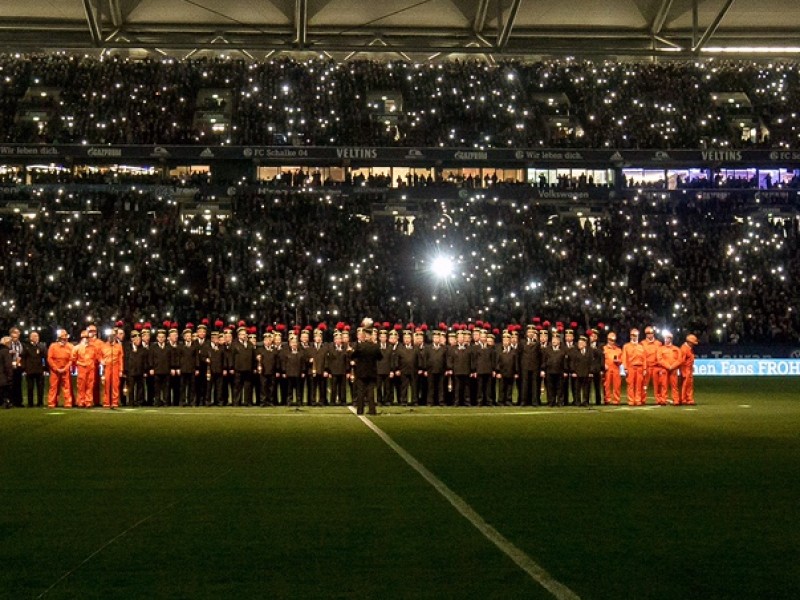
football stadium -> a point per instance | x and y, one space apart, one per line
401 299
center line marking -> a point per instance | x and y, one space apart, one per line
523 561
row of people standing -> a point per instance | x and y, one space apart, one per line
457 368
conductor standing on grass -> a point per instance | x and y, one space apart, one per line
366 356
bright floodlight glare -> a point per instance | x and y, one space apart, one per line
442 267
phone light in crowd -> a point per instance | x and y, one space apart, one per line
442 267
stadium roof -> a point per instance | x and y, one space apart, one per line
413 29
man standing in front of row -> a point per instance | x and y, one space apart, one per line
366 356
59 360
634 360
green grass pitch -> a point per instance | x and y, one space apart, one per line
667 502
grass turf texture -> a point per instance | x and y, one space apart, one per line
615 503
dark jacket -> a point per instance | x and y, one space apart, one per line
293 363
135 360
507 363
581 364
366 356
243 357
188 360
33 358
160 358
554 360
405 360
6 367
337 361
436 359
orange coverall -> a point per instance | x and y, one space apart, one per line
612 386
669 362
687 374
112 371
635 362
59 358
83 357
97 346
651 354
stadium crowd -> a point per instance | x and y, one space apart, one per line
722 269
60 98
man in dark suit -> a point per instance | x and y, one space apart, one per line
530 363
581 368
507 370
436 365
405 367
366 356
213 357
484 358
267 361
385 374
188 365
598 366
34 355
243 358
135 366
293 367
6 372
318 383
159 363
553 365
461 366
15 348
336 364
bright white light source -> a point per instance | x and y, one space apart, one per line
442 266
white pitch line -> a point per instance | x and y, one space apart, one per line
522 560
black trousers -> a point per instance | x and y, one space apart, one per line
174 390
421 395
597 384
294 391
383 387
365 394
483 380
16 387
200 387
338 389
161 390
529 381
214 390
149 390
554 382
136 390
243 388
506 390
407 385
436 389
461 390
35 381
582 386
187 389
317 389
267 389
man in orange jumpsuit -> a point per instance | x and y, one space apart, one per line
687 369
651 346
613 381
635 363
59 361
667 367
83 359
112 370
96 344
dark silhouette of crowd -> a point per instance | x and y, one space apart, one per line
320 102
722 269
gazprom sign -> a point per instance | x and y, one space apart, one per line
751 367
